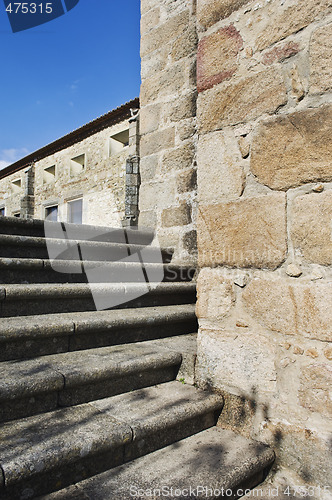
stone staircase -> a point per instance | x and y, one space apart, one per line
101 404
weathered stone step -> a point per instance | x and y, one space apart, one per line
43 384
43 453
14 246
36 227
200 466
45 298
30 336
20 270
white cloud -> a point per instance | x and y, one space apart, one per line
9 156
74 86
3 164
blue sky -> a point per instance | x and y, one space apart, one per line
58 76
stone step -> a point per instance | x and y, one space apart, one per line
48 298
43 384
22 270
46 452
30 336
215 463
14 246
36 227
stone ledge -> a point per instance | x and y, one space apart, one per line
215 458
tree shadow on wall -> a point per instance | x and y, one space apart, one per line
295 448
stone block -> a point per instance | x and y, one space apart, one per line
311 227
187 181
182 107
288 18
165 83
291 308
186 129
280 53
239 101
190 243
314 392
217 57
244 143
176 216
215 295
178 159
156 194
149 118
148 167
320 60
168 238
220 173
293 149
303 451
152 65
150 20
185 45
240 364
165 33
157 141
148 218
248 232
147 5
211 11
297 84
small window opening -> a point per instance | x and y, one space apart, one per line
17 186
2 212
51 213
49 175
77 165
118 142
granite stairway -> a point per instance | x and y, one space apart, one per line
97 372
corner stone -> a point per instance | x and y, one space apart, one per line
176 216
244 233
220 172
215 295
217 57
320 60
291 150
311 227
314 392
240 101
291 309
211 11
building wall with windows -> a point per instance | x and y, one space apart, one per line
80 178
12 189
89 170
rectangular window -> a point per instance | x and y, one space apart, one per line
77 165
2 212
17 214
51 213
118 142
75 211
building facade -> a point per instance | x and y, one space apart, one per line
237 94
80 178
235 174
